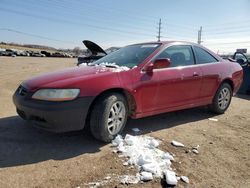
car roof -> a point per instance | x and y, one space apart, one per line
168 42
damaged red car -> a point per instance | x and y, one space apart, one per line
136 81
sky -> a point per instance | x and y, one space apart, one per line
65 23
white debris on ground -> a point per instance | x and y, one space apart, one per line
177 144
130 179
212 119
171 178
94 184
195 149
142 152
185 179
107 178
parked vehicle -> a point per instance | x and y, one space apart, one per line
242 59
37 54
47 54
136 81
95 53
9 52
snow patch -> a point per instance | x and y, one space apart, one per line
142 152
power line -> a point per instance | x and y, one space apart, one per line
75 23
226 23
238 42
36 36
67 10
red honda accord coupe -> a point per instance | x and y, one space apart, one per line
136 81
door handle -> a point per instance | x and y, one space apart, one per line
195 74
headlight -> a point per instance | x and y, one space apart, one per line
56 94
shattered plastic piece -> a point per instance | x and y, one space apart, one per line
185 179
195 151
212 119
168 156
170 177
146 176
129 179
177 144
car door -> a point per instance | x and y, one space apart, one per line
179 84
211 69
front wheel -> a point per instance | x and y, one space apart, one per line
222 99
108 116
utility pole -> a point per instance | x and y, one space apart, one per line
159 31
199 35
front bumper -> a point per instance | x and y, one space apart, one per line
53 116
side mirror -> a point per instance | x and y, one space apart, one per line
157 64
149 68
162 63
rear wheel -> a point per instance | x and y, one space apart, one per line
108 117
222 99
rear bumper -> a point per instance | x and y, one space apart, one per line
54 116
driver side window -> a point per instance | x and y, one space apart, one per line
179 55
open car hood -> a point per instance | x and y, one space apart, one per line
93 47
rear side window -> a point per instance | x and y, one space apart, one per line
203 57
179 55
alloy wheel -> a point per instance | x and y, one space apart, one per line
116 117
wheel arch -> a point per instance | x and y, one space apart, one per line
229 81
128 96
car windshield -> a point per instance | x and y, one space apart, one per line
129 56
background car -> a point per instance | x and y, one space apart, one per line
95 52
244 61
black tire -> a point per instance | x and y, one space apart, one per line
216 106
101 113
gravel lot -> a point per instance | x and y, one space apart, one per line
34 158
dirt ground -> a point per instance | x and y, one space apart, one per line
34 158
